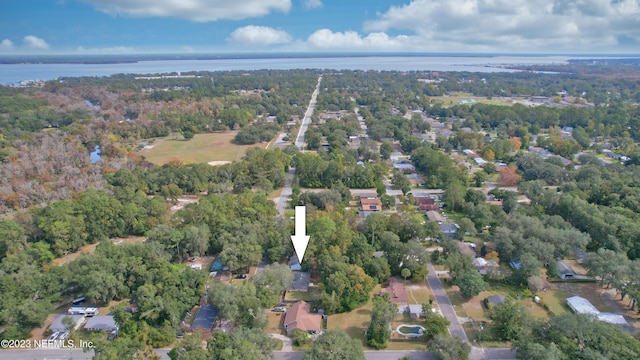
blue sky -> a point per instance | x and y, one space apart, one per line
231 26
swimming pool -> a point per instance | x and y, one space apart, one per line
410 330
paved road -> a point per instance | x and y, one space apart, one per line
492 354
306 120
286 192
59 354
370 355
441 297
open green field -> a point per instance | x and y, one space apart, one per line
203 148
457 98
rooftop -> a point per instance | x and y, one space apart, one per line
397 291
581 305
300 281
205 318
299 317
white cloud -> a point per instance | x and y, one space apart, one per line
513 25
33 42
6 44
351 40
259 35
312 4
195 10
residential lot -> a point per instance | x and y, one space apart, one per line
203 148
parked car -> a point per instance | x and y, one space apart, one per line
64 335
54 335
241 276
280 309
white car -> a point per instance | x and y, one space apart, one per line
64 335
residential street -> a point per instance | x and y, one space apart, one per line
285 194
306 120
371 355
442 299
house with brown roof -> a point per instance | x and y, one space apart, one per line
426 203
370 204
397 291
299 317
435 216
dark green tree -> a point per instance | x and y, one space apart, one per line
334 345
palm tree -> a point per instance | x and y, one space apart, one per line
405 274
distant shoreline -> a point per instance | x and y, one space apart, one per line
135 58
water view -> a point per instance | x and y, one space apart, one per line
14 73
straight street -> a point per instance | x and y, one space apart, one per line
446 308
306 120
455 328
370 355
286 192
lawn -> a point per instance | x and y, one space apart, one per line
274 320
355 323
203 148
400 342
297 296
419 293
447 101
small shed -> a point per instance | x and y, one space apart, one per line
294 263
58 325
565 271
494 300
415 311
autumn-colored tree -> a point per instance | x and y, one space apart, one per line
516 144
492 255
508 176
489 155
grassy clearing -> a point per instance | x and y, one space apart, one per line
203 148
354 323
297 296
274 320
419 293
458 97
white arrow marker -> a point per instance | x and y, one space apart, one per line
300 239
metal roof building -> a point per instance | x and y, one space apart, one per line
580 305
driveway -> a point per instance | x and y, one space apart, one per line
287 343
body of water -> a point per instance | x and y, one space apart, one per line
95 154
14 73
